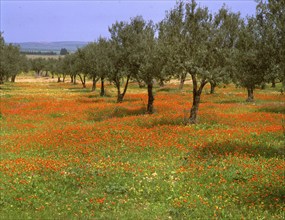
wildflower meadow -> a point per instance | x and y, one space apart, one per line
67 153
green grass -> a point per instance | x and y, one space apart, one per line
76 155
273 109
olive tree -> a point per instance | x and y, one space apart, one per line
198 45
150 62
80 65
37 65
96 62
126 52
249 71
271 19
224 34
12 62
102 60
69 67
89 64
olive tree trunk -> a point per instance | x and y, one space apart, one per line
94 82
121 95
63 77
197 91
250 97
83 80
273 83
213 86
182 80
102 92
150 98
74 79
13 78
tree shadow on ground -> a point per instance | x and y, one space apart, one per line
234 101
80 90
117 112
273 109
259 187
232 147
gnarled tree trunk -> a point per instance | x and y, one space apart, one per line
83 80
121 95
194 108
182 80
94 81
150 98
74 79
250 97
13 78
213 86
63 77
273 84
102 92
196 98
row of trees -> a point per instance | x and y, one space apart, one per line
211 48
11 62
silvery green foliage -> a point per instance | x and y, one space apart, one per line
12 62
199 42
131 43
259 53
271 24
248 67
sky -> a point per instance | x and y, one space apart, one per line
70 20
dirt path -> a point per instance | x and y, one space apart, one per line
35 79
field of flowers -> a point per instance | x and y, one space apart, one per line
68 153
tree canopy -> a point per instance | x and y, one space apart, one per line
12 61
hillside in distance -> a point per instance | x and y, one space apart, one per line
71 46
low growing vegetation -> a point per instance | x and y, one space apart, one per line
75 155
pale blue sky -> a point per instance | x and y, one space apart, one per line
46 21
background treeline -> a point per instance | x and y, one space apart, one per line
190 41
38 52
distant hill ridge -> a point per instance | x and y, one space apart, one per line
71 46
